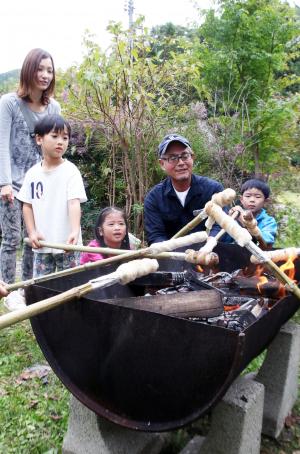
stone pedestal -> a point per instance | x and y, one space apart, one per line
279 375
89 434
236 422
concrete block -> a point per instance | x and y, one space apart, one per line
89 434
236 422
279 375
193 446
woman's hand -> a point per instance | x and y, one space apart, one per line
3 291
7 194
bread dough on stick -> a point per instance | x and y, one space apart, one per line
279 255
222 199
240 235
198 258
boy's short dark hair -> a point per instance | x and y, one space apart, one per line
52 122
257 184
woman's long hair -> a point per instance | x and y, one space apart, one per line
28 76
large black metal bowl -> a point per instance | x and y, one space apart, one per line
143 370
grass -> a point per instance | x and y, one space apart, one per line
33 411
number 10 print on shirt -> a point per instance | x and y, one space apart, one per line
36 190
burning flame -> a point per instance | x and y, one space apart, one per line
199 269
289 269
262 279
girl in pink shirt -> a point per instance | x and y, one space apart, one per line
111 231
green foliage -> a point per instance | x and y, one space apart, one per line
245 50
288 227
245 44
9 81
128 98
276 114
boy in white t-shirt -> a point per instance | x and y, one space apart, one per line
51 194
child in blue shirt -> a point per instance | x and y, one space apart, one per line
254 195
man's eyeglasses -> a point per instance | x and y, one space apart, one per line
174 159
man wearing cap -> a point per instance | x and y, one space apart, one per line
170 204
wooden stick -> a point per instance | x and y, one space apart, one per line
164 246
221 198
124 274
243 238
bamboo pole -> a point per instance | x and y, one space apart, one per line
149 252
81 248
123 274
193 223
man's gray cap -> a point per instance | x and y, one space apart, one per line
162 147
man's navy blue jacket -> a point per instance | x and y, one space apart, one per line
163 213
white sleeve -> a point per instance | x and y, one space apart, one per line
75 189
25 192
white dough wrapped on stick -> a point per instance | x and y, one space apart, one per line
279 255
174 243
209 259
222 199
238 233
205 254
210 244
128 272
247 220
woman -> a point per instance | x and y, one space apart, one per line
19 112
